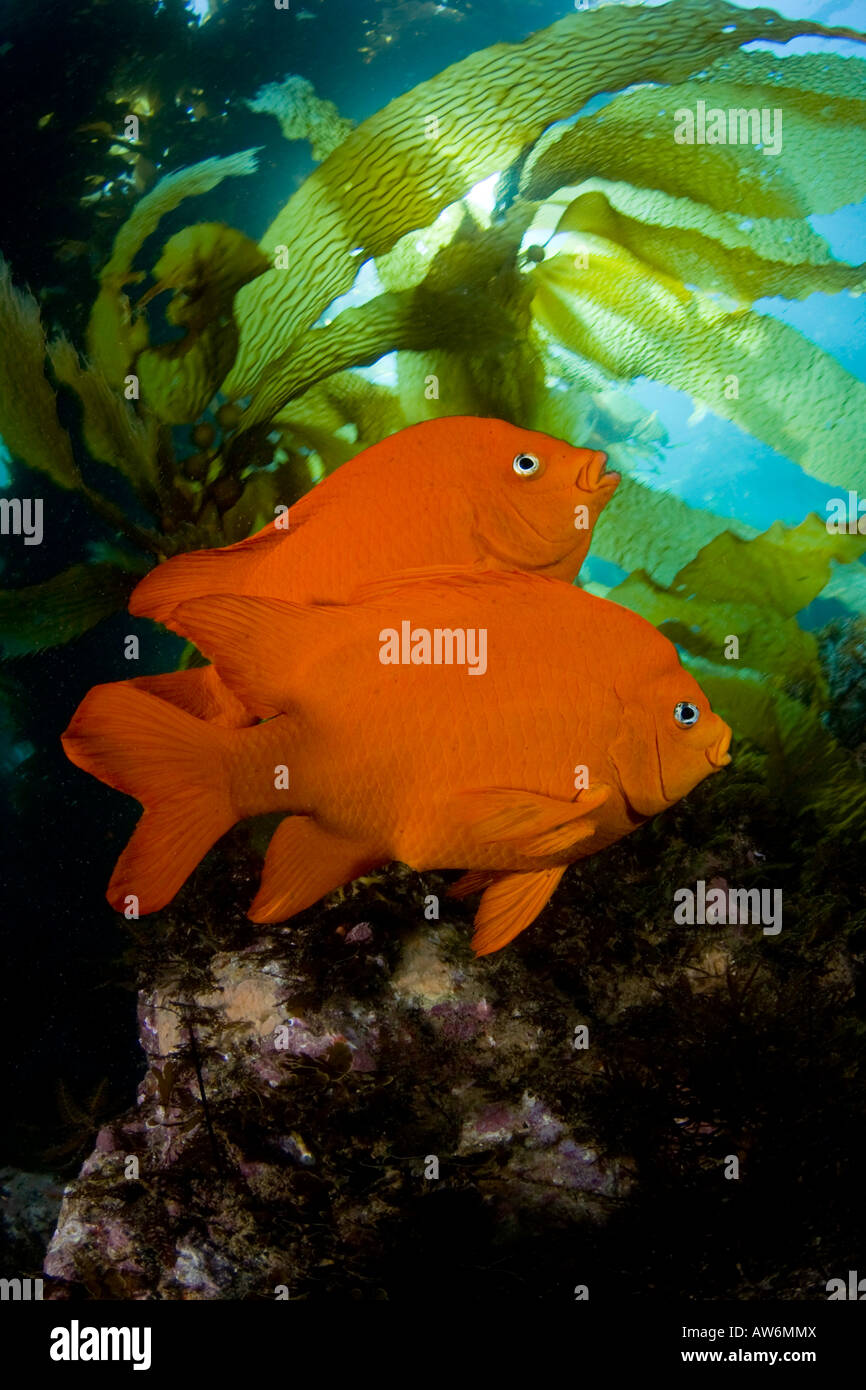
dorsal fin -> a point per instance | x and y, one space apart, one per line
258 645
200 572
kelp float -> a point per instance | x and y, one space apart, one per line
613 251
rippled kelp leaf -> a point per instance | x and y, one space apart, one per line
407 263
427 148
262 492
783 569
472 303
113 336
607 305
645 529
342 416
750 589
28 406
113 432
715 252
47 615
204 266
302 114
355 338
820 167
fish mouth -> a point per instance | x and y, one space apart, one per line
592 475
718 755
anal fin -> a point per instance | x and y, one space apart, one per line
302 864
511 904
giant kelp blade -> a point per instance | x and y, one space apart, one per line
427 148
717 252
342 416
782 570
821 127
817 774
112 431
28 406
467 304
114 337
751 590
768 644
607 305
203 266
643 528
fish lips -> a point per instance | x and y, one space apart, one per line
593 476
717 754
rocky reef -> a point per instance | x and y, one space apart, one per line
353 1106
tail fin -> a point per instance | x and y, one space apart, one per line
175 765
229 570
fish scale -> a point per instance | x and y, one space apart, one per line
441 492
389 757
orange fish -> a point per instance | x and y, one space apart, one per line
444 492
552 724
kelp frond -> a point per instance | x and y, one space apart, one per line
28 406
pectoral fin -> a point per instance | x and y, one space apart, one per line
532 824
509 905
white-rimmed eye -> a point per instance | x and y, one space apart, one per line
686 714
525 465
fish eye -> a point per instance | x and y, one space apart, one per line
525 465
686 714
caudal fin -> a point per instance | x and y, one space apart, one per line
175 765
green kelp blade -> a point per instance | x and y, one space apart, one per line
63 608
815 772
781 570
766 643
820 164
113 432
698 255
28 406
427 148
750 590
643 528
472 302
204 266
113 336
606 305
342 416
